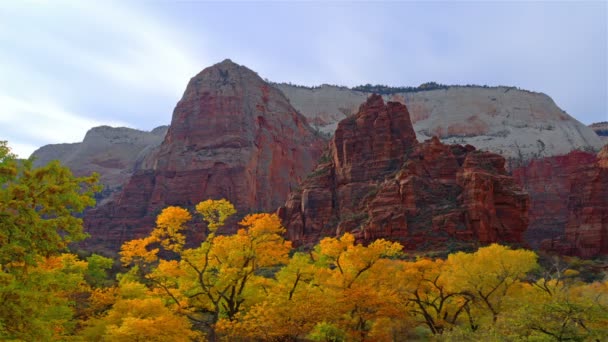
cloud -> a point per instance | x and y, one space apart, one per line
107 39
68 66
34 122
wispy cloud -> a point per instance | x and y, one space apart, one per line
40 121
58 58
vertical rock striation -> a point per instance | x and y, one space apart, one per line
569 202
231 136
377 181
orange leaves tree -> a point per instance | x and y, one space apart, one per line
246 286
220 276
342 289
359 279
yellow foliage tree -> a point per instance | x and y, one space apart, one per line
138 315
488 274
293 305
169 226
425 292
357 280
218 278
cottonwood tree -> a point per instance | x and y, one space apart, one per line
218 278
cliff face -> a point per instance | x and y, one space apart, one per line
549 182
112 152
378 181
569 202
587 227
232 136
517 124
601 129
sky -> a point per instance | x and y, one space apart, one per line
67 66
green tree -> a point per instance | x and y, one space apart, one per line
37 208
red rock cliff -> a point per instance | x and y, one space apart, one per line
569 202
232 136
378 181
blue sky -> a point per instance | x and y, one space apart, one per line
66 66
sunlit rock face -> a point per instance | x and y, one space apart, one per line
377 181
231 136
518 124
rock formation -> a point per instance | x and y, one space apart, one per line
568 202
231 136
377 181
517 124
114 153
601 129
235 136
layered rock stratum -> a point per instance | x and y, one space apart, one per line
601 129
568 202
232 136
114 153
377 181
518 124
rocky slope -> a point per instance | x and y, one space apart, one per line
232 136
517 124
114 153
601 129
377 181
568 202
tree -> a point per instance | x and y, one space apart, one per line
293 305
169 225
563 309
359 281
221 273
138 315
340 290
37 305
37 217
489 274
38 208
428 296
96 274
220 277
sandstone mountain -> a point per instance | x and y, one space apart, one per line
232 136
568 202
235 136
601 129
377 181
114 153
517 124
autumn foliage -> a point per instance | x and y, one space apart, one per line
253 286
